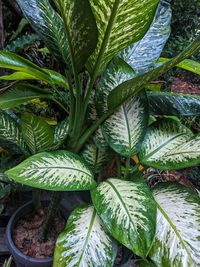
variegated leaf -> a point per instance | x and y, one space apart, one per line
125 129
177 240
96 158
128 88
120 23
84 242
10 132
99 140
170 145
81 29
143 55
117 72
128 212
60 133
48 25
167 103
59 171
37 134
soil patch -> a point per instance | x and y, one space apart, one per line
27 230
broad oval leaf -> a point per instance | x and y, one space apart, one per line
96 158
165 103
84 242
116 73
169 145
125 129
81 30
10 132
20 94
143 55
134 85
128 211
48 25
37 134
120 23
59 171
177 240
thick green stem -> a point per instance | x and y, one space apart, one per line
36 197
52 210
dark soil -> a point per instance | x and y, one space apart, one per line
28 229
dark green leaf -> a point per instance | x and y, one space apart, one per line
133 86
165 103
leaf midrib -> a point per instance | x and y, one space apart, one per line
57 167
160 147
174 228
87 237
128 128
124 206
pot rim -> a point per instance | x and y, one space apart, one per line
12 247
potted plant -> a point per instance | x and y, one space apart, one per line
110 51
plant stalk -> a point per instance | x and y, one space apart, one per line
52 210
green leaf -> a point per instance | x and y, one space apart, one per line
125 129
10 131
37 134
81 30
177 240
99 140
20 94
48 25
169 145
133 86
12 61
117 72
96 158
84 242
4 190
143 55
120 23
165 103
59 171
187 64
60 133
19 75
128 212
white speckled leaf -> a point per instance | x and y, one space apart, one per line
84 242
170 145
81 29
60 133
96 158
128 211
128 88
143 55
48 25
177 241
120 23
37 134
117 72
125 129
59 170
10 131
99 139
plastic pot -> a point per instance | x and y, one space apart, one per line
20 259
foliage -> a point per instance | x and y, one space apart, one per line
108 51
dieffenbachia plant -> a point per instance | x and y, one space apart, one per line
110 51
